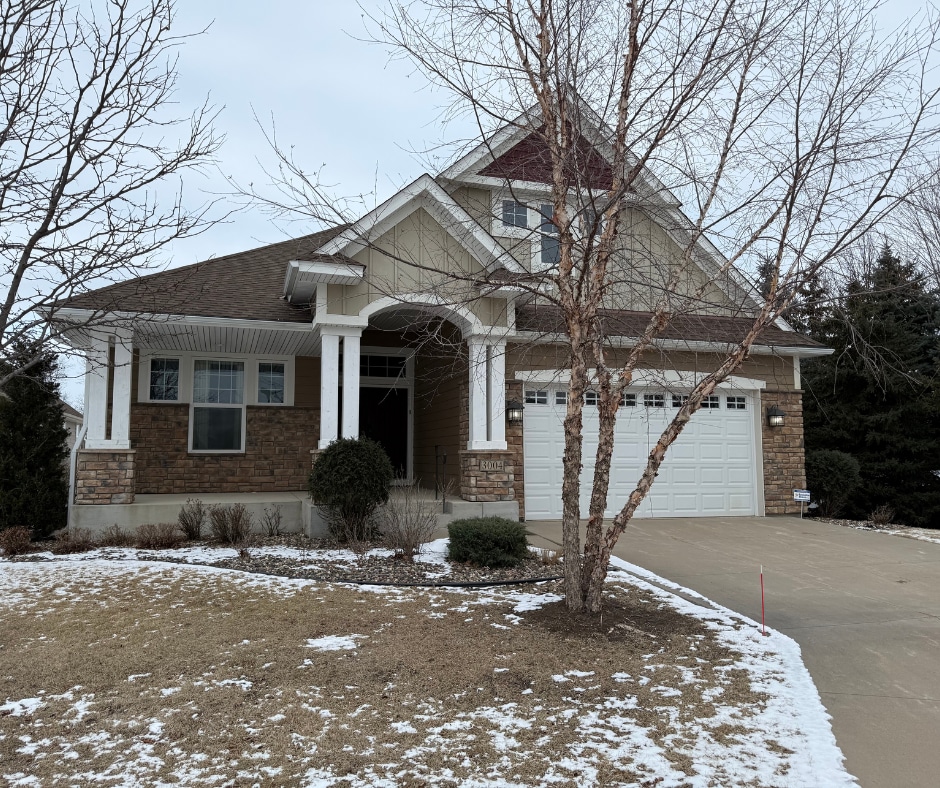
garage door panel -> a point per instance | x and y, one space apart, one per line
709 471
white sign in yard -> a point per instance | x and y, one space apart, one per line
801 495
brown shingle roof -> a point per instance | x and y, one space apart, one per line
245 285
691 328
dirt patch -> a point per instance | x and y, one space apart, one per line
171 674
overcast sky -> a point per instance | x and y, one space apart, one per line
337 99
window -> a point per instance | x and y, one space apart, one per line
381 366
551 248
591 398
561 397
515 214
711 402
218 412
654 400
164 379
536 397
736 403
628 401
270 383
678 400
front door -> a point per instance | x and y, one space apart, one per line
383 417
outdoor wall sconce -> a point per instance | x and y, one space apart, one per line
514 412
775 416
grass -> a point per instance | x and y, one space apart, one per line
173 674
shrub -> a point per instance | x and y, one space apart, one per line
230 524
14 541
487 541
271 521
407 521
350 478
832 477
160 536
191 518
883 515
115 536
74 540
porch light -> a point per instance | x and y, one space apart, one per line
514 412
775 416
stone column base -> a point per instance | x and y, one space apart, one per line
104 476
486 475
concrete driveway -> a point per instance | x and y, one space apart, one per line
864 607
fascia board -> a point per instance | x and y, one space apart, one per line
303 276
130 319
500 141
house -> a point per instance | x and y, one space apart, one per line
73 422
222 380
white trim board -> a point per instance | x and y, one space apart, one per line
645 378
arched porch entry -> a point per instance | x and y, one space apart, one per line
385 378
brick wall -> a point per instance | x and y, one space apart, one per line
104 477
784 469
276 457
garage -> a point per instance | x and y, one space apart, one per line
710 471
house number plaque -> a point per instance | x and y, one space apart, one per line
492 465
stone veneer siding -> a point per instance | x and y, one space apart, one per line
104 476
784 469
514 443
478 485
276 457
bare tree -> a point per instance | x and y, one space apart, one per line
756 133
89 150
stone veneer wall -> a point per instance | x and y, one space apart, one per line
514 442
477 484
276 457
104 476
784 469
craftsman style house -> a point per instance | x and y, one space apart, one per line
222 380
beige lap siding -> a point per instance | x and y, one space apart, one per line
276 457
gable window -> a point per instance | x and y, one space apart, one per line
270 383
536 397
654 400
551 248
515 214
218 412
164 383
736 403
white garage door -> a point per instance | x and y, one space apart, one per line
709 471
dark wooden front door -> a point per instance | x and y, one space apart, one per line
383 417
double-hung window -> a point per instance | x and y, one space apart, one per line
551 248
515 214
218 410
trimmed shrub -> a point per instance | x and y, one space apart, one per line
191 518
832 477
115 536
75 540
230 524
159 536
407 521
350 478
14 541
488 541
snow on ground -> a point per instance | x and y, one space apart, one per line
804 751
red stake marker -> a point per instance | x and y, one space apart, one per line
763 628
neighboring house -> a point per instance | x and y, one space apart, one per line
73 422
226 377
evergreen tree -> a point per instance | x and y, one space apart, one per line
33 481
878 396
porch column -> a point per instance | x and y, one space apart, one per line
329 389
351 385
477 439
487 400
96 392
121 396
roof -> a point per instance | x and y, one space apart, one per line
68 410
692 328
242 286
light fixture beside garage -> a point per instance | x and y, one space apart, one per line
775 416
514 412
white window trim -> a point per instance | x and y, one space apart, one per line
242 405
187 360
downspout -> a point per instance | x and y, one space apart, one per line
73 463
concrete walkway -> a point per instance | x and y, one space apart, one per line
864 607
